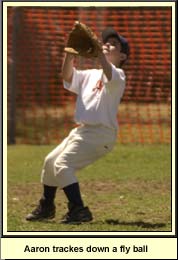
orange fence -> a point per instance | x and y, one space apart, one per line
40 111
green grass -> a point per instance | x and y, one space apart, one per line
127 190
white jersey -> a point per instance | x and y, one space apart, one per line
98 99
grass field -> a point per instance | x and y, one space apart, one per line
127 190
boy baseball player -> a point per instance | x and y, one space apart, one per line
99 92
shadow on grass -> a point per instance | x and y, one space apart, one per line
134 223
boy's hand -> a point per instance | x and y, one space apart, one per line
83 41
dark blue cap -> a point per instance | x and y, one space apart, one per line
110 32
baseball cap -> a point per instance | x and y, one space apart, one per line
110 32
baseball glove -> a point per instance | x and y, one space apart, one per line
82 41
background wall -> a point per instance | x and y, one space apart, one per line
40 111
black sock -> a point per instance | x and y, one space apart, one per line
73 194
49 193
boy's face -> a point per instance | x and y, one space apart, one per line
112 50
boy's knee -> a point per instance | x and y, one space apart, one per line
62 167
64 174
59 168
48 162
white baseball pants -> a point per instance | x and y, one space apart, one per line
84 145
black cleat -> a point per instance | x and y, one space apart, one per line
77 215
42 211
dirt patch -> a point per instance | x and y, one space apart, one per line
137 185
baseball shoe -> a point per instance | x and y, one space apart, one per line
42 211
77 215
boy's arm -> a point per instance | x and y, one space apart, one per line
107 68
67 68
106 65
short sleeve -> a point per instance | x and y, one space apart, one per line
77 79
117 74
117 81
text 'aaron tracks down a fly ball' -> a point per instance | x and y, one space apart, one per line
67 249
